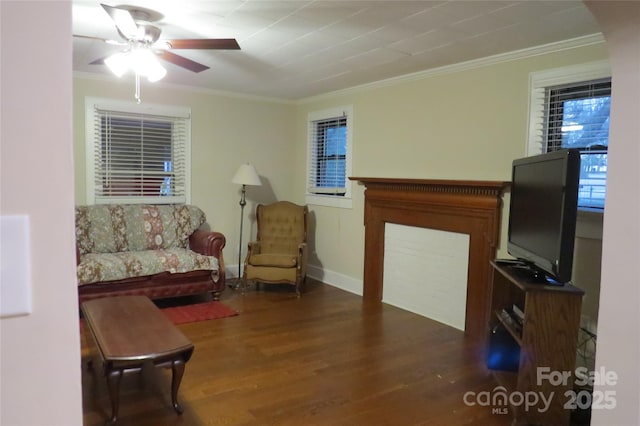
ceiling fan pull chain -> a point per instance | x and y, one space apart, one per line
138 100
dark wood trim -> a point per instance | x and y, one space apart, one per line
462 206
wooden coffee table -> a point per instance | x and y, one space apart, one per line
130 331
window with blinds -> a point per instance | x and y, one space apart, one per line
575 114
138 157
578 118
328 158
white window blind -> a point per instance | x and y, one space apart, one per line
574 115
328 156
578 115
139 157
570 108
540 82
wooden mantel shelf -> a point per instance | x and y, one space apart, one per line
471 188
462 206
431 184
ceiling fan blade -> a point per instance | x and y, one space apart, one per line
99 61
183 62
90 37
123 20
205 43
106 40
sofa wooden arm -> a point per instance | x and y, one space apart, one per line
207 243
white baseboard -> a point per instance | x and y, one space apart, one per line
231 272
335 279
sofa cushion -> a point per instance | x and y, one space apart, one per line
98 267
113 228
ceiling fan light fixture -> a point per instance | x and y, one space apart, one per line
118 63
156 72
144 62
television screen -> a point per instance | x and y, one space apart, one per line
543 211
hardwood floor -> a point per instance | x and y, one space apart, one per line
323 359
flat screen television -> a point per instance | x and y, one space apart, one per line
543 211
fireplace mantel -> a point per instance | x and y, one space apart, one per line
462 206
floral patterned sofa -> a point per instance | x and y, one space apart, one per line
155 250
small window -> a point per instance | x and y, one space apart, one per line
329 158
570 108
137 157
578 118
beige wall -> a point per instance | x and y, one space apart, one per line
40 352
587 273
226 131
465 125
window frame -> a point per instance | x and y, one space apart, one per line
539 81
323 199
150 110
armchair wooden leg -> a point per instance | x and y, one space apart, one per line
301 284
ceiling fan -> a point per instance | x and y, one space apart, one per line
135 26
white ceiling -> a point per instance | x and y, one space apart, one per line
294 49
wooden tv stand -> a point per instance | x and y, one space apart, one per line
547 339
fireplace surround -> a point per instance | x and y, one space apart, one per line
462 206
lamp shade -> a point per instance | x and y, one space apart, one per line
246 175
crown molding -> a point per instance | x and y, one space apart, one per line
560 46
195 89
515 55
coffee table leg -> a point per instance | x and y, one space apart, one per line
177 368
113 383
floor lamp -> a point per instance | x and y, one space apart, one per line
246 175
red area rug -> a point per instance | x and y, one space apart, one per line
192 313
198 312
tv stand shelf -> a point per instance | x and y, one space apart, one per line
547 338
515 333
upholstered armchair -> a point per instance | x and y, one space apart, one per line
279 254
